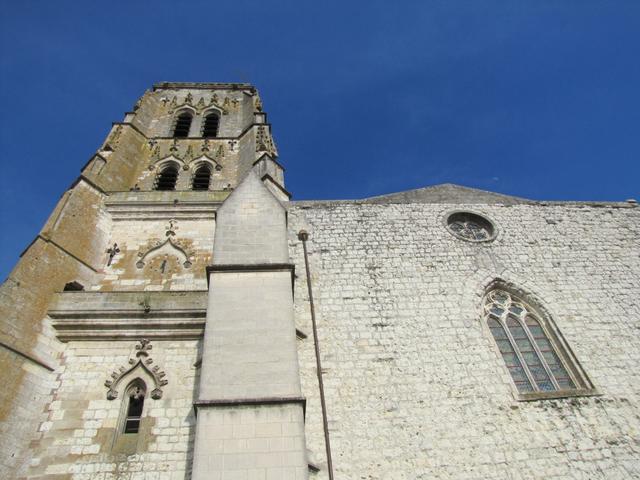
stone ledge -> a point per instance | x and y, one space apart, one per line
252 267
204 85
124 315
240 402
138 205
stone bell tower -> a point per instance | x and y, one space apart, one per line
173 235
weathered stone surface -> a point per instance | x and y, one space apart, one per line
111 233
79 437
415 385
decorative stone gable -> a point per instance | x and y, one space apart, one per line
143 363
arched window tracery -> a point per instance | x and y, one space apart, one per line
533 354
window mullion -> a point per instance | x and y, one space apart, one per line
514 345
560 352
543 361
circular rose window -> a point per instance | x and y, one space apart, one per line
471 226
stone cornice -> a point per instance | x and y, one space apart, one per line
160 210
233 402
202 86
240 135
128 315
269 157
104 328
267 177
461 205
252 267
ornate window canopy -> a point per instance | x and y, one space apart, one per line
141 362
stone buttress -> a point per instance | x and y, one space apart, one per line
250 412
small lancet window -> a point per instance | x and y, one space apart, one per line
167 178
202 178
210 125
135 398
183 124
531 349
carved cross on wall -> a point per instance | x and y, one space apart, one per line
171 228
144 347
112 253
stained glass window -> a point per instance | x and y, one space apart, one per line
470 226
536 362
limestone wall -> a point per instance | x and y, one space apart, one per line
415 386
80 438
157 255
59 254
162 241
251 442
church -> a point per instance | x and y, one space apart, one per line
180 317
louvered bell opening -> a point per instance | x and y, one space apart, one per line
183 123
167 179
202 178
210 129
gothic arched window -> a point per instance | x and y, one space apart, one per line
210 125
532 349
167 177
183 124
134 398
201 178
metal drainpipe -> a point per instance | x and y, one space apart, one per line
304 236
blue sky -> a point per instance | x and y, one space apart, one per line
539 99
